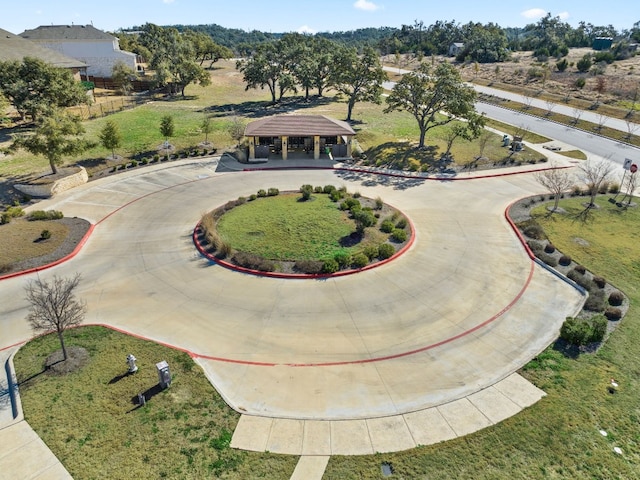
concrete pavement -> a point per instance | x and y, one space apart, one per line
458 313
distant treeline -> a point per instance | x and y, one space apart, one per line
549 37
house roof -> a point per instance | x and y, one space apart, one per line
66 32
13 47
298 126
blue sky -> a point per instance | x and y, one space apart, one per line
310 16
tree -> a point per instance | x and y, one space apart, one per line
584 64
206 128
594 174
167 129
205 49
57 134
555 180
54 306
34 87
123 76
358 77
236 129
110 137
426 92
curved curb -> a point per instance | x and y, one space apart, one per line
75 251
300 276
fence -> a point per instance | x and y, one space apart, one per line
102 109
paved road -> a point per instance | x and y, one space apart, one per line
461 310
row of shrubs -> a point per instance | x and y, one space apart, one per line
162 158
15 212
605 187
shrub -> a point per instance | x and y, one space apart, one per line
385 250
580 269
535 247
223 249
580 331
45 235
156 157
45 215
5 218
614 187
252 197
565 260
604 187
356 195
535 231
379 203
4 268
134 163
595 301
253 262
330 266
272 192
328 189
364 219
343 259
309 266
580 82
399 235
240 201
262 193
549 248
144 161
616 298
360 260
613 313
562 65
350 204
580 279
402 223
583 65
371 251
576 191
548 259
387 226
317 189
599 282
306 191
15 211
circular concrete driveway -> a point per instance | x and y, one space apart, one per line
462 309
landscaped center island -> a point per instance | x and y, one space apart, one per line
317 230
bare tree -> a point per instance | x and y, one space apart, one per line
602 119
632 128
594 174
54 306
556 180
577 113
630 185
550 106
527 102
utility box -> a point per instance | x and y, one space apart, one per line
602 43
164 375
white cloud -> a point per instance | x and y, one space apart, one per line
564 15
366 5
304 29
534 13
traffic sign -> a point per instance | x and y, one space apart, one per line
627 163
633 168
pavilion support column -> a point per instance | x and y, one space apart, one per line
349 143
316 147
285 147
252 148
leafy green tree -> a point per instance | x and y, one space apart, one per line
167 129
57 134
584 64
123 76
484 43
34 87
173 58
206 128
358 77
110 137
205 48
427 91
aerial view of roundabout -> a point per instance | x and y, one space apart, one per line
457 310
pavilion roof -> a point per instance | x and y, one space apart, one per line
298 126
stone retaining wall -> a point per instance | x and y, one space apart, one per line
46 190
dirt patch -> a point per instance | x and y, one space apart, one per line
77 357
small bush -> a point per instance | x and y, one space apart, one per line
306 191
156 157
595 301
565 260
536 247
317 189
262 193
350 204
312 267
45 215
387 226
272 192
45 235
14 212
371 251
253 262
580 269
363 219
134 163
613 313
240 201
603 188
579 331
535 231
252 197
330 266
144 161
616 298
599 282
343 259
328 189
5 218
379 203
360 260
548 259
402 223
4 268
580 279
576 191
614 187
385 251
549 248
399 235
223 249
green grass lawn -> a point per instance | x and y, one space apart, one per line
557 438
90 423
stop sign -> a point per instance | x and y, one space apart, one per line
633 168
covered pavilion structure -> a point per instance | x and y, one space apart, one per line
309 135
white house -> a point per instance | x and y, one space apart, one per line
99 50
455 48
